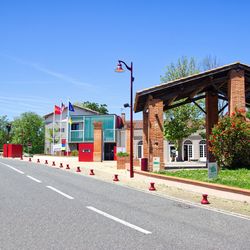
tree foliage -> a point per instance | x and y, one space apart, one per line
29 128
3 130
183 68
230 141
101 108
186 119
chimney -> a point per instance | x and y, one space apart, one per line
123 118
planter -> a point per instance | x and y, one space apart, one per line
121 162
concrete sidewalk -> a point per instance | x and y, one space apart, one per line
106 170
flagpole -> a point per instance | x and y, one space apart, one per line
68 130
61 126
53 133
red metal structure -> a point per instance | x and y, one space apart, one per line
12 150
86 152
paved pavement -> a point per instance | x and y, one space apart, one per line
45 208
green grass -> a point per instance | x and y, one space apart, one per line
235 178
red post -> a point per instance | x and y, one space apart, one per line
152 186
116 177
91 172
204 200
78 169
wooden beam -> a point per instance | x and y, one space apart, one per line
222 108
188 100
199 107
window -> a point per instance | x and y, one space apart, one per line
203 149
139 149
75 126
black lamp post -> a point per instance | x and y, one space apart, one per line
119 69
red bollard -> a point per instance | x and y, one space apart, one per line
78 169
91 172
53 163
46 162
204 200
67 166
38 161
116 177
152 186
61 165
29 159
21 158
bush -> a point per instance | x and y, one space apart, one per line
230 141
74 153
122 154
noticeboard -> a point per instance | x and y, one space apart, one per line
156 164
212 170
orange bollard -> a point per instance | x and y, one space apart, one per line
204 200
116 177
152 186
78 169
91 172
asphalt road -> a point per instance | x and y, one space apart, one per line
45 208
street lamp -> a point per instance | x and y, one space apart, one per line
119 69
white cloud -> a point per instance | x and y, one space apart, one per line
47 71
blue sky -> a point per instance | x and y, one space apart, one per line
55 50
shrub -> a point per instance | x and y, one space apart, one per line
122 154
74 153
230 141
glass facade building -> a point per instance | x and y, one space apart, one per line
82 128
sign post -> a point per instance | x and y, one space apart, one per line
156 164
212 170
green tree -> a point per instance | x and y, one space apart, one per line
184 120
230 141
3 130
29 128
101 108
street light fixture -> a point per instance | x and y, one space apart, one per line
119 69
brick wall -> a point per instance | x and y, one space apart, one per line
236 90
98 141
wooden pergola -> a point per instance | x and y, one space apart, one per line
230 83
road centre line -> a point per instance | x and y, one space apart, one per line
60 192
119 220
34 179
15 169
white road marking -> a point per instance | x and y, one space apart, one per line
119 220
15 169
59 192
34 179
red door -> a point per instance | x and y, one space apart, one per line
86 152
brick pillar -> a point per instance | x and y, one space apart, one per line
155 131
236 90
145 134
211 119
98 141
127 138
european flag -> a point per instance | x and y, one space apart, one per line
71 108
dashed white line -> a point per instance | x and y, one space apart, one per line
34 179
60 192
119 220
15 169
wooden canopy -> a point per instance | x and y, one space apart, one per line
192 88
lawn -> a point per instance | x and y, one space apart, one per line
236 178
